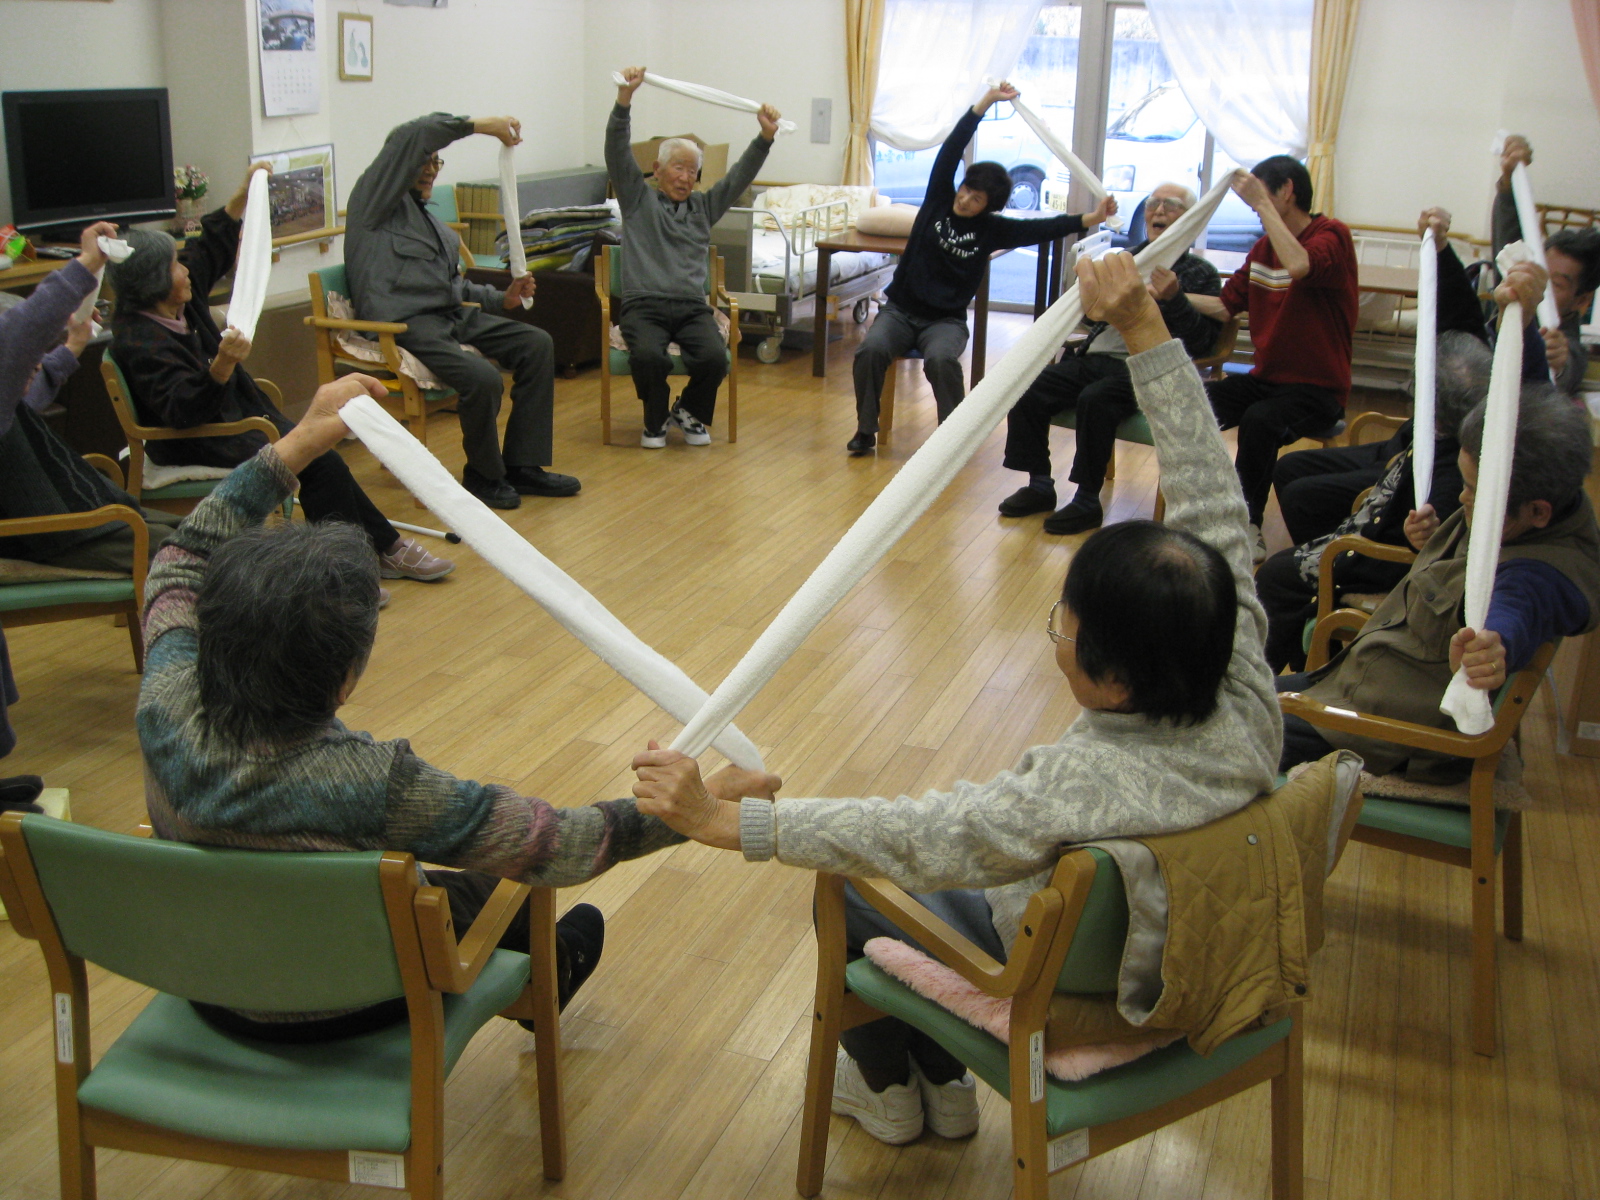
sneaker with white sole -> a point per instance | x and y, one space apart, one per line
409 559
1258 545
654 441
949 1109
893 1115
694 432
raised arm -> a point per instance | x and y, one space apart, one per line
28 330
721 194
1290 252
626 177
390 176
942 179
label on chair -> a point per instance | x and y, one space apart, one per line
64 1049
1036 1066
379 1170
1067 1149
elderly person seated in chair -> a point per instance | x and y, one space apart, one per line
667 233
1546 586
1093 379
257 635
404 265
183 371
1158 634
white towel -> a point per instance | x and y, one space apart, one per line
916 486
1062 151
1469 705
710 95
1422 430
511 211
507 551
116 250
254 269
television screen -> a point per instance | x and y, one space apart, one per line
88 155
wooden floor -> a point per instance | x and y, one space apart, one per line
684 1053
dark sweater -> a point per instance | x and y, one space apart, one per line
1507 227
945 255
169 373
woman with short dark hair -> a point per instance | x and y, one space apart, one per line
1159 634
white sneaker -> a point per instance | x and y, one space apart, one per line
949 1109
893 1115
654 441
695 433
1258 545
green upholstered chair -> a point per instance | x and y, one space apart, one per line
416 402
269 931
1071 939
1134 428
445 203
178 497
1475 835
615 362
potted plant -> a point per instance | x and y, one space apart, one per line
191 184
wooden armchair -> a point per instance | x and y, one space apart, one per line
290 932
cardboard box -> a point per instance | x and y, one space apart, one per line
713 160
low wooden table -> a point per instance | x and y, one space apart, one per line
29 271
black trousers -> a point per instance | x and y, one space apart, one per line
1269 416
649 324
1099 387
1302 741
524 350
1291 601
1317 488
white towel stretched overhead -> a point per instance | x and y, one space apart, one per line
251 276
1426 369
1469 705
116 250
710 95
916 486
1060 149
510 554
1533 239
511 211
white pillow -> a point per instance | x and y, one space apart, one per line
894 220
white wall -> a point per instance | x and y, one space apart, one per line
1429 87
66 44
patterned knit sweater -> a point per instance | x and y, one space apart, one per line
1110 775
338 789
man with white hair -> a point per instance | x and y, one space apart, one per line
1093 378
666 233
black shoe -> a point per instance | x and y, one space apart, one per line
536 481
1076 517
18 793
861 444
496 493
1026 501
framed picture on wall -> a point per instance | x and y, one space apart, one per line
355 47
301 189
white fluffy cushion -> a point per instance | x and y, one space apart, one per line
893 220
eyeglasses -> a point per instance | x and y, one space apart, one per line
1054 620
1165 202
434 164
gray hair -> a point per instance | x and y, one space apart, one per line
144 278
669 148
287 613
1461 379
1189 198
1551 457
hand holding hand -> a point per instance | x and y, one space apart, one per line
1251 190
1517 149
1556 349
507 129
735 783
768 118
1436 219
523 285
1419 526
78 335
1524 282
1481 655
1163 284
670 787
89 252
632 77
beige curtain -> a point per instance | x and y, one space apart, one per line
1333 38
863 40
1586 19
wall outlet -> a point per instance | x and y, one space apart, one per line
822 121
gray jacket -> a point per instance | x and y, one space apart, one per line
399 258
665 241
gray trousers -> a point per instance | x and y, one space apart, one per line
525 351
894 334
114 551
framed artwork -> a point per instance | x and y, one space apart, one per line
301 189
355 47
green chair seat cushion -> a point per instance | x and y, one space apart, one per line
619 365
172 1070
1132 429
186 489
1143 1084
1446 824
18 596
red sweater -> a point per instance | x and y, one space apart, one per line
1300 329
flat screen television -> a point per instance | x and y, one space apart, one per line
83 156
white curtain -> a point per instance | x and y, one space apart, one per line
936 56
1245 66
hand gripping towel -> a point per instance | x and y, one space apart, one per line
116 250
1426 369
